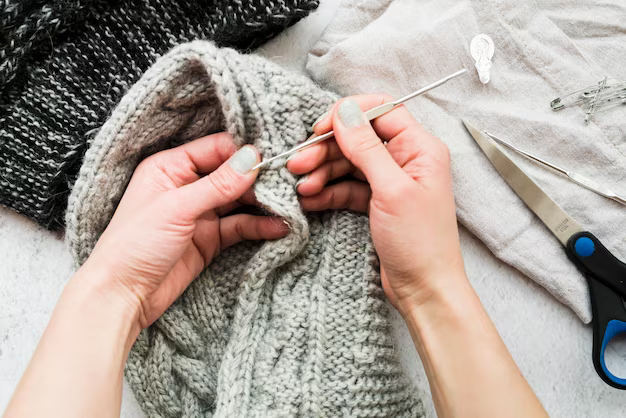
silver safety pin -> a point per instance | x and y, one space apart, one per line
607 93
370 115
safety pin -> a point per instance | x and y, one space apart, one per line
610 89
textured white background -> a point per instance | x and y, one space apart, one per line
548 342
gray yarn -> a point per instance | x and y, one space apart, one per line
292 327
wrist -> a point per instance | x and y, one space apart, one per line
440 296
94 293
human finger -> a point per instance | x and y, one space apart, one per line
315 181
418 152
363 147
223 186
386 126
247 199
352 195
186 163
244 227
408 141
204 240
309 159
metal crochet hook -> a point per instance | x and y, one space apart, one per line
576 178
370 115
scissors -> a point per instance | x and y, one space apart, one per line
605 274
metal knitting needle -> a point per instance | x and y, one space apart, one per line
370 114
576 178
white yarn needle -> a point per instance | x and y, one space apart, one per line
370 115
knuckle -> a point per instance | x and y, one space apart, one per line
442 153
239 230
346 199
148 164
365 142
223 182
327 173
327 199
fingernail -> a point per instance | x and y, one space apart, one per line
321 118
243 160
302 180
350 114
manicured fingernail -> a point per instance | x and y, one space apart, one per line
321 118
302 180
243 160
350 114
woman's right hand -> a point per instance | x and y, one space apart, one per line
405 186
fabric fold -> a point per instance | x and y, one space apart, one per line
542 50
292 327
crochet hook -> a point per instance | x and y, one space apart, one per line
370 114
575 177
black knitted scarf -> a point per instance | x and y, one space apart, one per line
64 65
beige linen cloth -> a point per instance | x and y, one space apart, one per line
542 50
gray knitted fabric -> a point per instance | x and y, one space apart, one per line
292 327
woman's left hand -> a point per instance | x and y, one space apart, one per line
174 219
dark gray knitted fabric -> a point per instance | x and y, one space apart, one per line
295 327
64 65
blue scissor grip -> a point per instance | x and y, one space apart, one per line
613 328
606 276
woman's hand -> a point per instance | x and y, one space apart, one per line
173 220
405 186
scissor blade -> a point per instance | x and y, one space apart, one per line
555 218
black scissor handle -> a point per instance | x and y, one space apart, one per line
606 276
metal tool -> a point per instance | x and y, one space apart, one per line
575 177
370 114
594 102
606 94
606 275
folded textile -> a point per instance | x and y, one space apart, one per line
64 65
542 50
292 327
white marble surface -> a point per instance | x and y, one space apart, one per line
550 345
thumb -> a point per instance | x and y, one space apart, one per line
224 185
362 146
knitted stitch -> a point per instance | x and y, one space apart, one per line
292 327
64 65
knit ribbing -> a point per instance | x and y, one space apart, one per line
24 25
292 327
65 65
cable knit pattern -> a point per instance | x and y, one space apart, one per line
292 327
64 66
